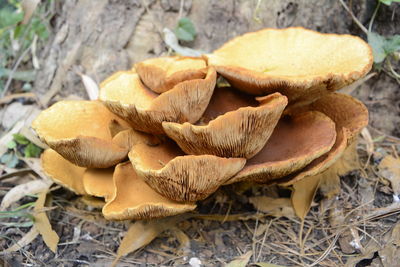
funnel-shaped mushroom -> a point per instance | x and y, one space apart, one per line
133 199
78 130
182 178
125 95
62 171
299 63
295 142
238 133
99 182
163 73
128 138
350 116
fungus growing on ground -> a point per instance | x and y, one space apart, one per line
296 128
163 73
240 132
299 63
124 94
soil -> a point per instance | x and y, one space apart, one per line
101 37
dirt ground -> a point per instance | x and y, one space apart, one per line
101 37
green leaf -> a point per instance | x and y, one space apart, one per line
389 2
377 42
10 160
392 44
12 145
32 151
185 30
9 17
20 139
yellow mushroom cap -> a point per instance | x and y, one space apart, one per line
99 182
299 63
63 172
295 142
125 95
182 177
78 130
238 133
133 199
163 73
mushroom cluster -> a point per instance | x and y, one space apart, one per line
165 134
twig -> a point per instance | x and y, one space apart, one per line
359 24
16 65
373 16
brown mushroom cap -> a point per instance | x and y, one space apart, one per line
163 73
133 199
99 182
179 177
350 116
78 130
238 133
62 171
299 63
125 95
295 142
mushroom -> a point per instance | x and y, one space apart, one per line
133 199
163 73
350 116
99 182
296 141
63 172
78 130
299 63
240 132
125 95
182 177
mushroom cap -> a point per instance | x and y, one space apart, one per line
297 62
350 116
238 133
133 199
295 142
63 172
182 177
99 182
78 130
128 138
163 73
125 95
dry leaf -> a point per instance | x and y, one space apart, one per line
390 169
91 87
141 233
277 207
241 261
19 191
28 6
43 225
369 142
25 240
266 264
303 194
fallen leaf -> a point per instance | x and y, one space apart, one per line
389 168
141 233
28 6
91 87
276 207
303 194
20 191
25 240
172 42
43 225
241 261
266 264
